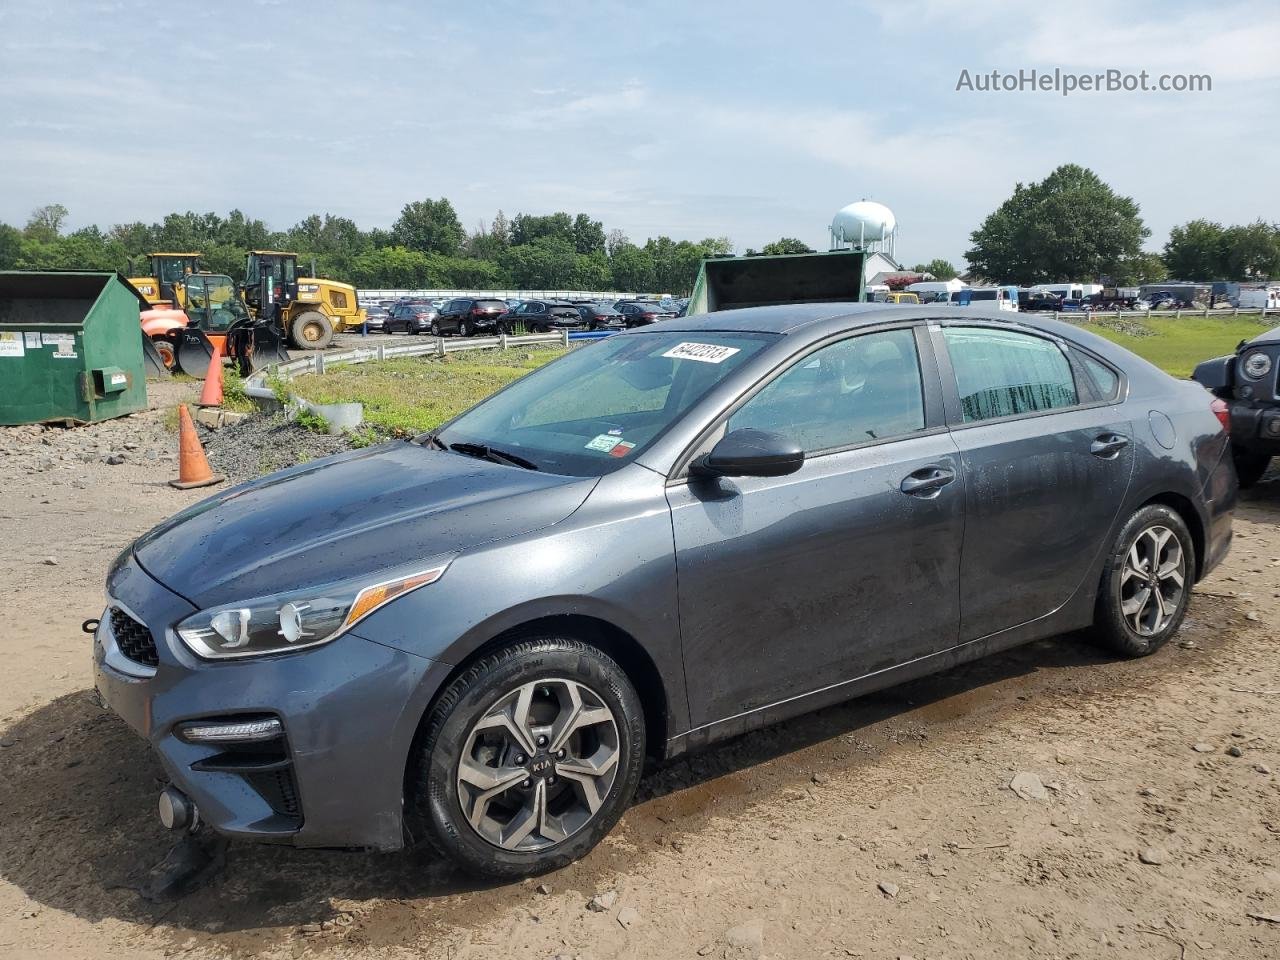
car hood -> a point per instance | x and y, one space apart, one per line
346 516
1269 337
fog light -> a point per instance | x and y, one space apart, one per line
232 731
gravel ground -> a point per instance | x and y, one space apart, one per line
1048 802
264 444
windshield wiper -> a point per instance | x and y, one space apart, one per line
485 452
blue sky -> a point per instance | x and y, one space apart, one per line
751 120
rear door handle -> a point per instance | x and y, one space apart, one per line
1108 445
926 482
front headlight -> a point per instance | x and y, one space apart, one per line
1256 365
293 620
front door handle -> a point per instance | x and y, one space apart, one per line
1108 445
926 482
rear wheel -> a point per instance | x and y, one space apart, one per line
528 758
311 330
464 328
1146 583
435 328
1249 466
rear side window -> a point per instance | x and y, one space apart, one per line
1002 373
1104 380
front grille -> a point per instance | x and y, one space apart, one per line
133 638
278 788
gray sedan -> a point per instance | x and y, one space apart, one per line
668 537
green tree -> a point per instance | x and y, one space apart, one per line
10 246
1144 268
1251 251
588 234
1070 226
526 228
45 223
429 226
940 268
631 268
785 245
591 272
546 263
1196 249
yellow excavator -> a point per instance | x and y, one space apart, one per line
307 310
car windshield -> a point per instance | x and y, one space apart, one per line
599 407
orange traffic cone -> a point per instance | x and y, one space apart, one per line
211 395
193 465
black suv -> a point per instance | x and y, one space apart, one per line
639 313
600 316
467 316
411 316
1247 383
543 316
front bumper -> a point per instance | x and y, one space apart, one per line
350 710
1256 428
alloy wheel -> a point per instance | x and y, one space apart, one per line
1153 580
538 765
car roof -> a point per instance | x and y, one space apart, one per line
795 317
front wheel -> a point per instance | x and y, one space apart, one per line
528 758
311 330
1146 583
1249 466
435 328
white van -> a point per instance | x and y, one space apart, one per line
1002 298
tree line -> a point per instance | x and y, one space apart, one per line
1069 226
1073 226
426 247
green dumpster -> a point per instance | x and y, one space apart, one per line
728 283
70 348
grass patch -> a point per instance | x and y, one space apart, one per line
233 396
1177 345
409 395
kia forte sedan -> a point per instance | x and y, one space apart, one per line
669 537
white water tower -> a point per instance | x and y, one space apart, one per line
865 225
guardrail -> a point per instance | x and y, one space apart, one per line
1068 315
319 361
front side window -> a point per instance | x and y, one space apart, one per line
1003 373
861 389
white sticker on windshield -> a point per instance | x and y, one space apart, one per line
702 352
604 443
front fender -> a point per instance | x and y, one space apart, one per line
613 561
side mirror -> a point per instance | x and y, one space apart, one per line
750 453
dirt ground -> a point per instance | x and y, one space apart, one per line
883 828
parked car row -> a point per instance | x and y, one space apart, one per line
481 316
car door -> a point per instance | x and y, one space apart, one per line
789 585
1047 463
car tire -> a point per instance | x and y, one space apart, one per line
460 727
435 328
464 329
1132 617
1250 466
